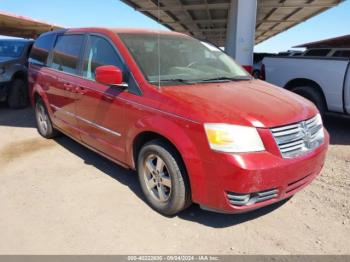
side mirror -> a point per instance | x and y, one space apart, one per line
109 75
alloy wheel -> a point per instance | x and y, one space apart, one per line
157 178
42 118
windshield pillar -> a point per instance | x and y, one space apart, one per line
241 31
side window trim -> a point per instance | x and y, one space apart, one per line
113 46
50 57
80 58
133 86
44 64
85 54
81 55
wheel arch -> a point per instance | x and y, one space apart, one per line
37 92
20 75
36 97
304 82
147 136
176 133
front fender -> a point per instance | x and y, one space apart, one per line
183 135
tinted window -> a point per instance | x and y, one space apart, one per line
342 53
10 48
318 52
41 50
66 53
99 52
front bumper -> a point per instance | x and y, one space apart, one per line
264 177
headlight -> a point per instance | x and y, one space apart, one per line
233 138
2 70
319 136
319 120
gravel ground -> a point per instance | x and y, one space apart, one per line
56 197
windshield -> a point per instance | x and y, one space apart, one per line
182 59
12 49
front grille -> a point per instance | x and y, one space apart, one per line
299 139
251 199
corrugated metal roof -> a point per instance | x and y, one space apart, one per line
207 19
337 42
20 26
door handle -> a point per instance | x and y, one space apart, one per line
80 90
68 86
108 98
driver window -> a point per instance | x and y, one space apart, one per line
99 52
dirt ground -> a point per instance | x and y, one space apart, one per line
56 197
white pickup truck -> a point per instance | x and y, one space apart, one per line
323 80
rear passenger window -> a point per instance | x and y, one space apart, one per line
41 49
342 53
66 53
99 52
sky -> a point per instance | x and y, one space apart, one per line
114 13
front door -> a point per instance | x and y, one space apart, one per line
100 114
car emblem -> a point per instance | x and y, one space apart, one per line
307 136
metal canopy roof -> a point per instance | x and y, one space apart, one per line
337 42
19 26
207 19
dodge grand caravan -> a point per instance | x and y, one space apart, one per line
195 125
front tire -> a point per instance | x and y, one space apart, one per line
18 94
163 178
44 124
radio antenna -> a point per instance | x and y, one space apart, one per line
158 45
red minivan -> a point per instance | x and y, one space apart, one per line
194 124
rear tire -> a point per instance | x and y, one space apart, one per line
44 124
163 178
18 94
312 95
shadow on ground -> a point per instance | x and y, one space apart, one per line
339 129
16 118
129 178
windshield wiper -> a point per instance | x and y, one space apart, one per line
224 79
178 80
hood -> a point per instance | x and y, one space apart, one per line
250 103
4 59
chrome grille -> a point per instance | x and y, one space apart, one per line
298 139
251 199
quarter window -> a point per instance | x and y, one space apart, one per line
41 49
66 53
99 52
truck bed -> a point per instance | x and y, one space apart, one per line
330 74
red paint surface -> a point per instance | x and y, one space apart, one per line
178 114
248 68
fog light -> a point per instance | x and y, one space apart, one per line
251 199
